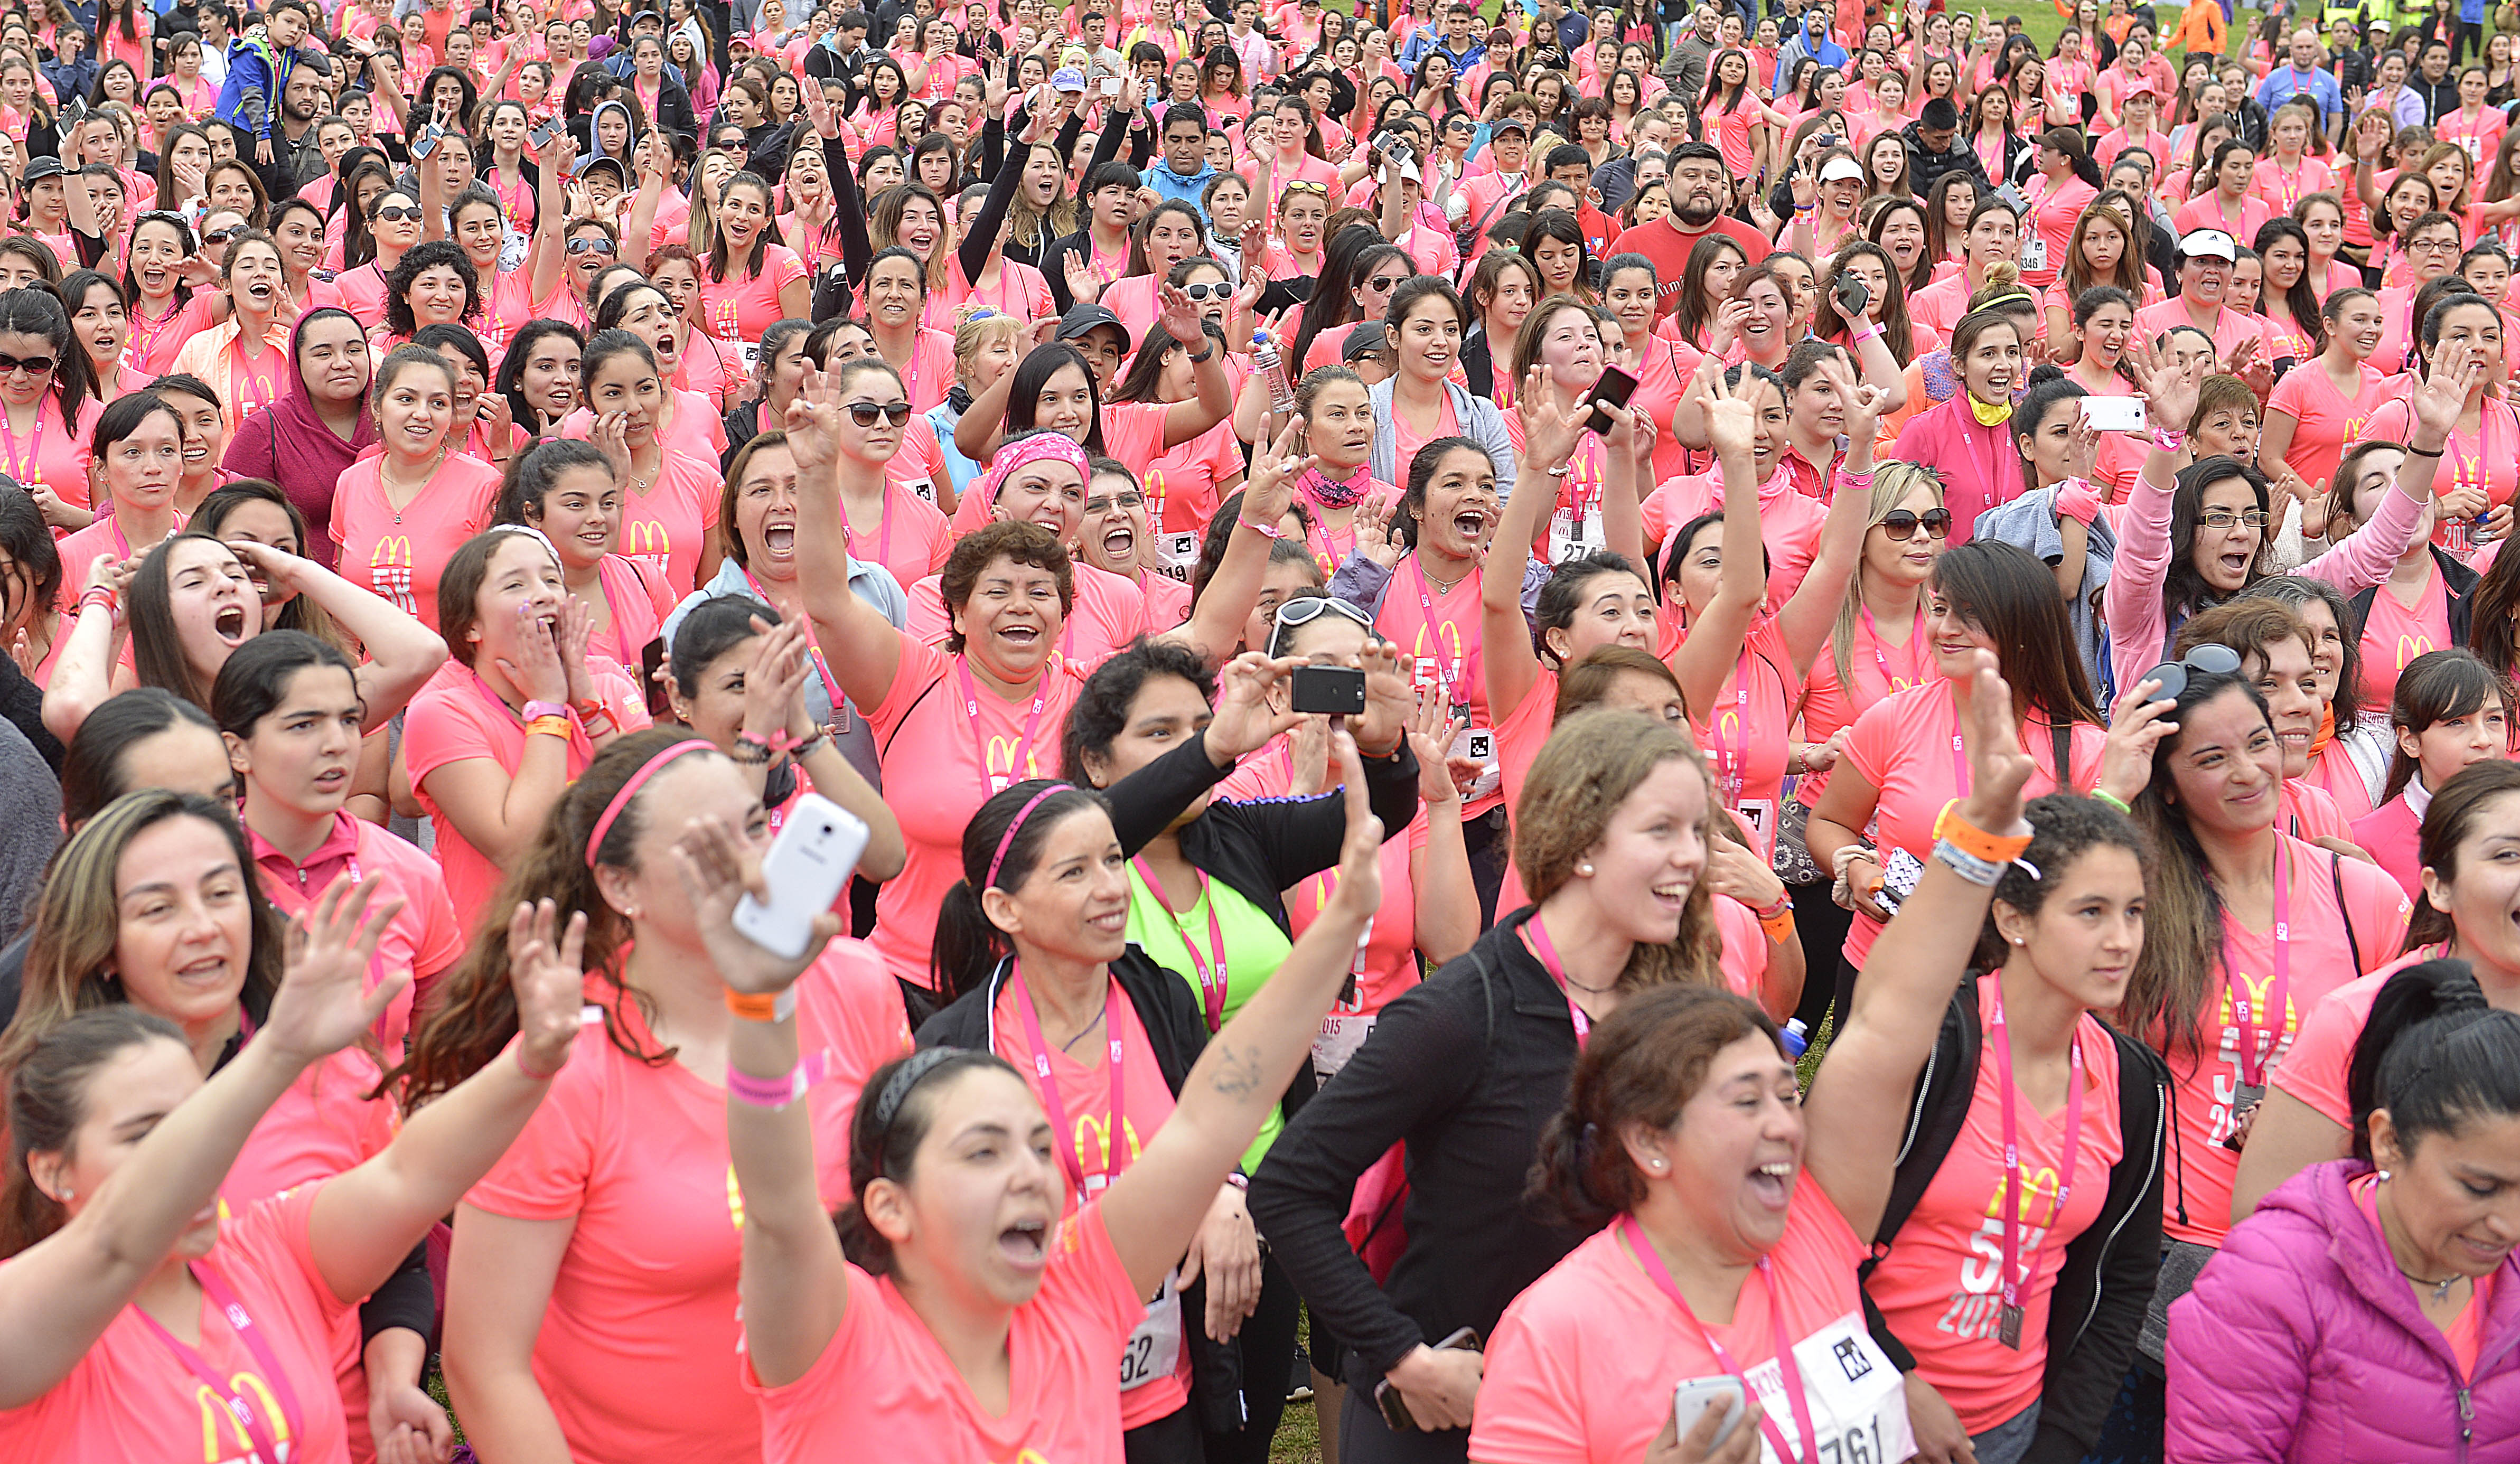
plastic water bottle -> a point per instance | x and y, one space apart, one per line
1273 368
1796 1038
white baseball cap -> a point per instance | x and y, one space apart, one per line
2206 243
1840 167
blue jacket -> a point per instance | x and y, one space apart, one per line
2283 83
252 68
1169 185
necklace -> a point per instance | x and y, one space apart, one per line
2441 1288
1443 586
1086 1031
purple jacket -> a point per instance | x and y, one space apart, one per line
2303 1343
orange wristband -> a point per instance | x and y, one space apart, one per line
1969 839
761 1006
551 726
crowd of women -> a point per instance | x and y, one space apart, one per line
2048 917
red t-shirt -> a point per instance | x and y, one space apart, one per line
1941 1286
884 1389
1665 244
634 1154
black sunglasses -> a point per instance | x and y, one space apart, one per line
221 236
37 366
1901 524
2212 658
1383 284
395 213
865 414
1203 291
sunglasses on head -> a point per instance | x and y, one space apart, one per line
2212 658
1312 607
1305 186
865 414
1902 526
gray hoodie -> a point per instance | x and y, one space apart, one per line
2029 521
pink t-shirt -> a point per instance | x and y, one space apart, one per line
931 372
2207 210
2053 210
1941 1287
2393 834
1745 733
1878 670
1789 523
1662 379
2487 458
912 539
2206 1079
1908 747
2395 632
1109 613
632 594
1406 440
454 718
2231 327
884 1389
399 554
1437 636
663 528
1101 1143
697 428
2280 187
423 939
2327 421
2314 1069
82 547
132 1398
943 755
53 458
743 306
1181 482
635 1155
1582 1365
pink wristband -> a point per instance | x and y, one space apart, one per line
2169 440
524 1065
775 1093
2079 500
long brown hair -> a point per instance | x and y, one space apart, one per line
1592 762
476 1014
48 1104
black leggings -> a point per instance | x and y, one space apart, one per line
1365 1439
1170 1440
1821 924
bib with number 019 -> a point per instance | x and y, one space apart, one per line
1155 1348
1858 1401
1571 533
1176 554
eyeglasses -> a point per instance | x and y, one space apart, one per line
395 213
1384 284
2224 518
1110 500
33 366
866 414
2432 246
2212 658
1902 526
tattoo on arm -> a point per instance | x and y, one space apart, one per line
1238 1074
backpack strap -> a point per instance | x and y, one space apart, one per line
2061 736
2337 880
1935 1119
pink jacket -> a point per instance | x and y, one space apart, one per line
2302 1343
2139 622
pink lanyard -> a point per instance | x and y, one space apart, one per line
883 517
1022 755
1317 537
2260 1030
840 722
1427 603
1541 947
1731 755
1649 1262
264 1433
2014 1273
1916 648
1210 973
26 467
1060 1134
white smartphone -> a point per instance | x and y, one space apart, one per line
806 870
2114 413
1695 1396
1110 86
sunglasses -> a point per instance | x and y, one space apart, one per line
1201 291
221 236
866 414
1902 526
2211 658
1312 607
395 213
1384 284
594 245
33 366
1305 186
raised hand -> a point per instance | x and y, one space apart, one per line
1731 423
1247 707
537 670
1431 734
1275 468
1998 767
2168 391
1181 318
1375 539
1863 402
2137 726
718 869
2444 395
774 684
320 1007
1082 284
547 973
1550 430
1360 874
813 423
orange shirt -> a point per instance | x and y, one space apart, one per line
132 1397
884 1389
1941 1286
634 1154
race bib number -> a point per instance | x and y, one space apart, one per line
1759 817
748 352
1155 1348
1571 533
1341 1034
2033 253
1859 1408
1478 744
1175 555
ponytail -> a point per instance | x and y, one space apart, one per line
1001 846
2434 1055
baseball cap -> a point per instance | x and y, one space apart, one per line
40 168
586 167
2378 25
1083 319
2143 89
1067 79
1365 340
1840 167
2208 242
1507 125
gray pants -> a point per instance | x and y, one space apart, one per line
2008 1440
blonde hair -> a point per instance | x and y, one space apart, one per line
974 335
1892 483
1592 762
704 223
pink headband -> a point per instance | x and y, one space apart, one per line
1033 449
1006 840
630 789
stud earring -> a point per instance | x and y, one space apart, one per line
1585 869
1656 1165
2384 1176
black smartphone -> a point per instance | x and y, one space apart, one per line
1395 1408
1853 295
1612 390
542 135
1337 690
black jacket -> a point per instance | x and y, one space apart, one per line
1925 165
2459 582
1465 1069
2101 1294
